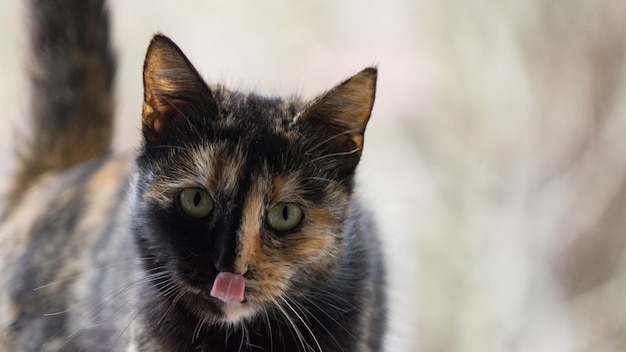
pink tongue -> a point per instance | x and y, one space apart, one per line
229 287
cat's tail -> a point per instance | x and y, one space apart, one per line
71 85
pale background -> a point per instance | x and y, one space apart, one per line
495 160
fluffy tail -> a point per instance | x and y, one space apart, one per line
71 81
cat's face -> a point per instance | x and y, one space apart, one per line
242 184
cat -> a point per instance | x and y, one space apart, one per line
235 227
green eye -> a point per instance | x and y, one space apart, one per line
284 217
195 202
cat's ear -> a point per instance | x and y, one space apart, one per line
172 88
341 115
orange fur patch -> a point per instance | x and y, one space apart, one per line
249 233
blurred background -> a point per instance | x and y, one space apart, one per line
495 160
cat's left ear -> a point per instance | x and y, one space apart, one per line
172 89
341 115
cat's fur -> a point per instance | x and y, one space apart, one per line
96 253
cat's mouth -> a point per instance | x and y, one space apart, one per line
229 288
231 311
227 299
225 287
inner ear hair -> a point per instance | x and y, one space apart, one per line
342 113
171 86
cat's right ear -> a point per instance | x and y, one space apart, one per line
172 89
339 118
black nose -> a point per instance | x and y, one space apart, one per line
224 265
223 252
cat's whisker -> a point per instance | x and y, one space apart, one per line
320 309
168 286
333 137
269 327
58 282
177 298
319 179
68 338
305 312
75 276
172 287
331 304
138 311
229 330
332 155
105 298
156 274
102 298
197 329
166 146
243 334
56 313
333 295
303 322
249 340
292 324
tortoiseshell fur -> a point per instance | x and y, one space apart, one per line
97 255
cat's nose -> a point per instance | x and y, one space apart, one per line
224 252
224 265
229 267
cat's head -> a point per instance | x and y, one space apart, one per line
244 184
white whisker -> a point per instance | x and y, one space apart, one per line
335 136
269 327
332 155
178 296
303 323
294 328
72 277
332 318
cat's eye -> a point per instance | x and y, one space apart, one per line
284 217
195 202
